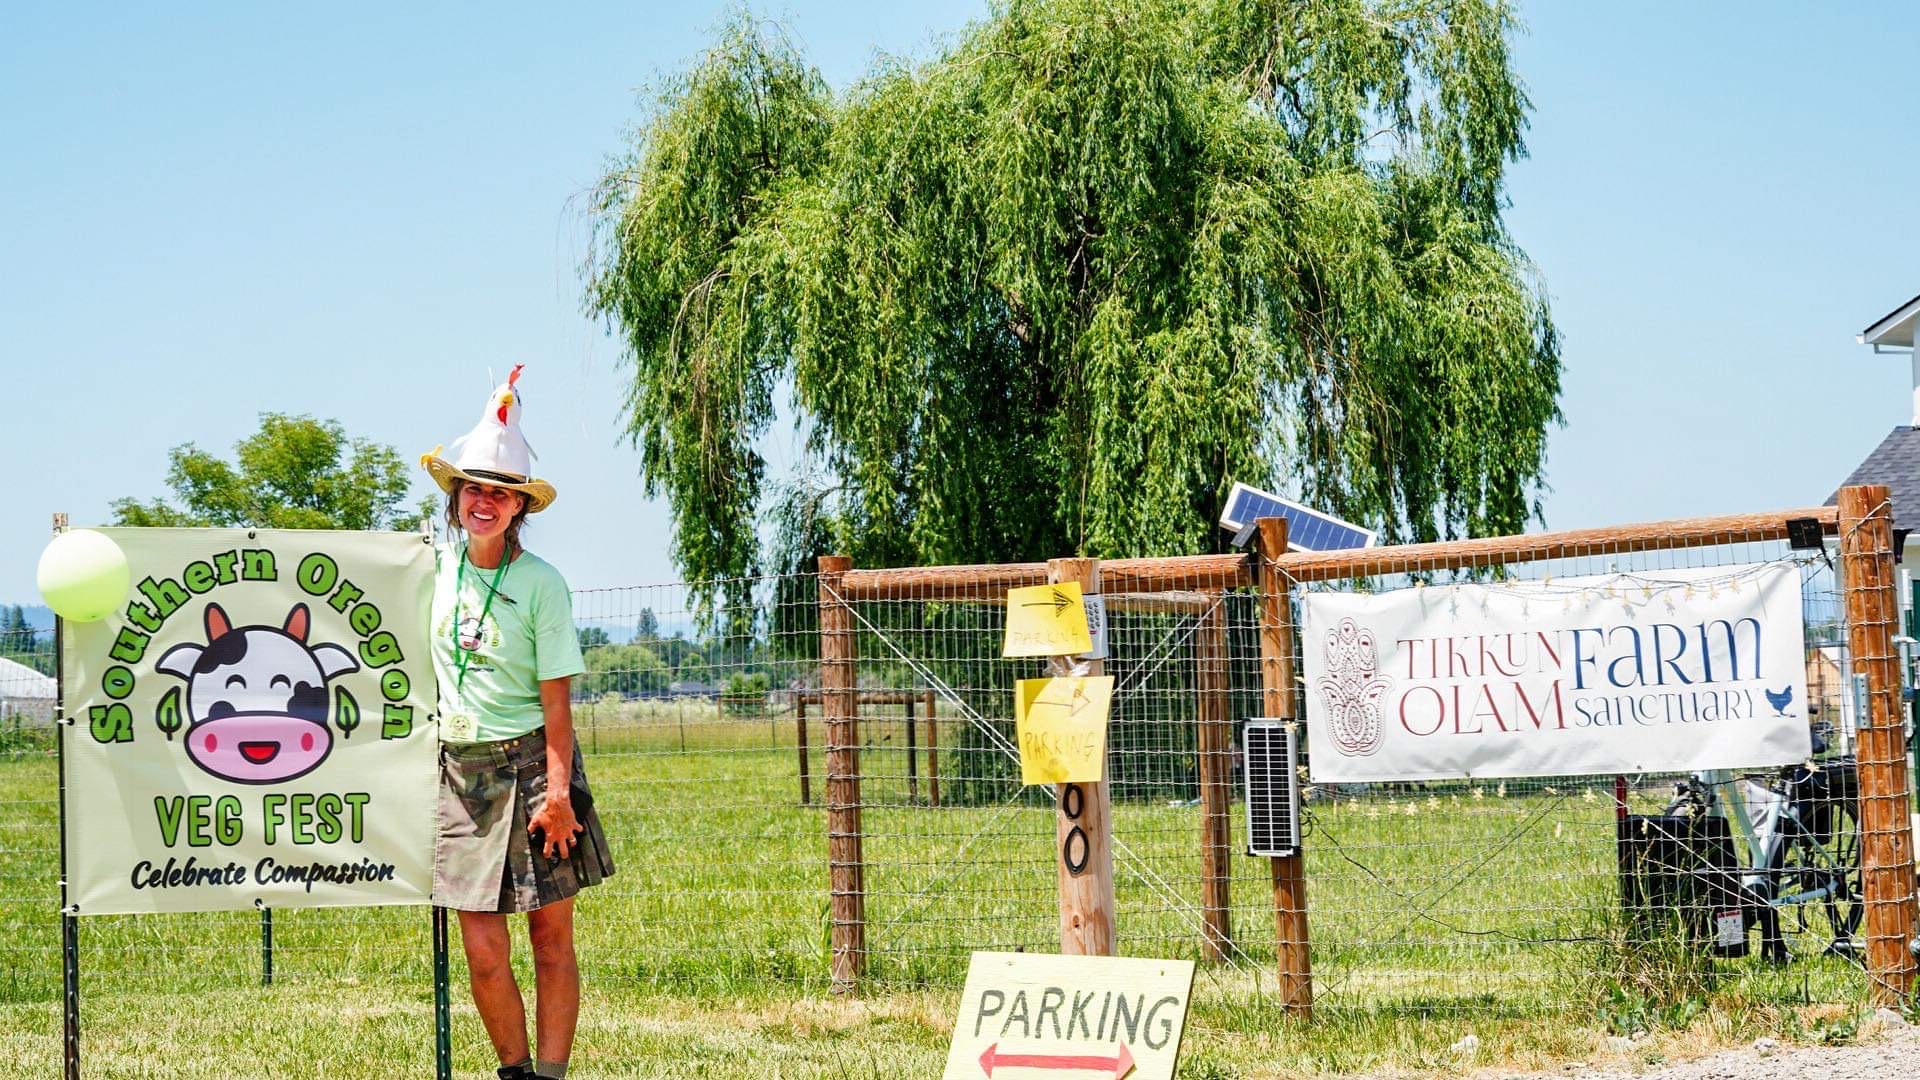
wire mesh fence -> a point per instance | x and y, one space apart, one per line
1449 895
1532 891
704 718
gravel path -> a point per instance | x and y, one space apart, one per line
1887 1050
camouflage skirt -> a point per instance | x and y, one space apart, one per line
483 858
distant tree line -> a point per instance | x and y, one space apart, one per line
737 668
21 643
648 664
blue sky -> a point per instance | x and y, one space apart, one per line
355 211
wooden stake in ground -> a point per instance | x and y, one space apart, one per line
1886 831
933 754
800 729
1276 680
1083 815
840 705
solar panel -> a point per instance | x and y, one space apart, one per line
1307 529
1273 788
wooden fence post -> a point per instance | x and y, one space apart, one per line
1215 751
841 708
933 755
1276 681
1886 834
1083 823
800 729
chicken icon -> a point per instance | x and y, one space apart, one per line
1780 699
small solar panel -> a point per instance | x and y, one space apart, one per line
1307 529
1273 787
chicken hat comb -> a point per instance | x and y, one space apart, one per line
495 452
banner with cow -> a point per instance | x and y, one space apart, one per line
255 728
1674 670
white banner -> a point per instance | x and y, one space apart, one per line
1674 670
255 726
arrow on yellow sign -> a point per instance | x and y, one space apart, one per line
1046 620
1116 1066
1061 727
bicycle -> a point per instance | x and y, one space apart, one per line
1802 831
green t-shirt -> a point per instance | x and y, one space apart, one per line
526 636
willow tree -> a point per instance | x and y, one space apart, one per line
1054 289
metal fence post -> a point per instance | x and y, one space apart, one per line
839 661
69 923
442 1000
1886 868
266 946
913 755
1276 680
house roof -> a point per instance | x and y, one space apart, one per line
1895 463
1896 328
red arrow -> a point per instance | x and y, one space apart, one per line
1119 1065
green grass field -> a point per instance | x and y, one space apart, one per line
1433 915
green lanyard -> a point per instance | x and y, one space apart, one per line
460 653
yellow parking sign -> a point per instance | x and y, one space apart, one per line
1034 1015
1061 724
1046 620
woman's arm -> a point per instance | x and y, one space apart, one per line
555 821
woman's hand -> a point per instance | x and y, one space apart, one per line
555 821
555 825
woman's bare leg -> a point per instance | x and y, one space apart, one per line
556 980
490 973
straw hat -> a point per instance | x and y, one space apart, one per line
494 452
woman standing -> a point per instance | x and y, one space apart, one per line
517 832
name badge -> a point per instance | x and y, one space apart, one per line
457 727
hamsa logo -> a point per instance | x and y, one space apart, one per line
1352 689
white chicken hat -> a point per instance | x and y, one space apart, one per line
494 452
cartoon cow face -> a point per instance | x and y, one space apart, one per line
257 697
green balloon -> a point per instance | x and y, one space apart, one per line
83 575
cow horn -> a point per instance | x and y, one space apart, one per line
217 623
297 623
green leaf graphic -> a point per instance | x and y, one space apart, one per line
167 716
346 714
